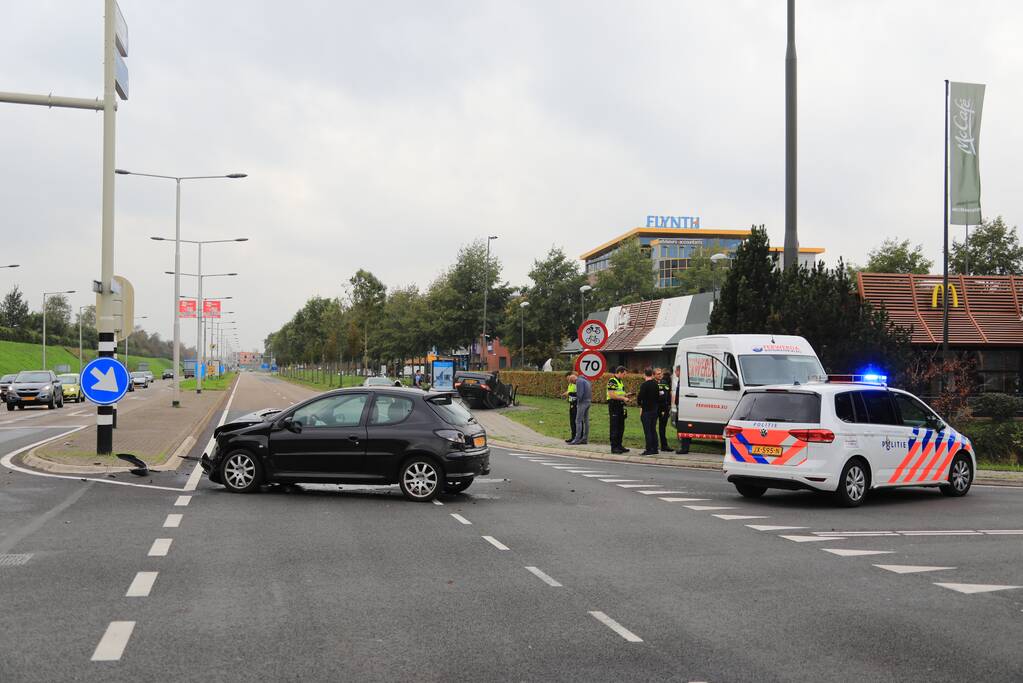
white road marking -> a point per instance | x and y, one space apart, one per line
460 518
141 585
592 473
909 568
115 639
618 481
864 534
702 508
970 588
683 500
594 476
570 467
437 502
616 627
638 486
182 501
193 479
939 533
86 412
731 517
772 527
848 552
494 542
174 521
656 492
809 539
161 547
1002 532
543 577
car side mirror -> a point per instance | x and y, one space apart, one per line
934 423
290 425
731 383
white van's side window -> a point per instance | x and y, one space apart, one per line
707 372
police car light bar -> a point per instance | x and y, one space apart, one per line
869 378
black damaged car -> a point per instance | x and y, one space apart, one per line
424 442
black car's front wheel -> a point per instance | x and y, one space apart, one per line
457 485
241 472
420 479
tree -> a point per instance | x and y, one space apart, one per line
58 315
401 333
898 257
367 296
13 309
994 250
744 304
702 275
629 277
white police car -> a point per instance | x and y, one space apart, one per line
846 438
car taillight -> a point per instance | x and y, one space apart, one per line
484 387
813 435
732 430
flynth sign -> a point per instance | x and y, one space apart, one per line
673 221
966 103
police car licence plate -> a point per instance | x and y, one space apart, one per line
766 450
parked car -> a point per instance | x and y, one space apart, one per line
167 374
140 379
426 443
381 382
483 389
71 387
35 387
5 383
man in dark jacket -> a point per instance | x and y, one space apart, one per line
649 402
584 396
664 408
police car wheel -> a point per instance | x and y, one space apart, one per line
750 491
853 484
960 477
458 485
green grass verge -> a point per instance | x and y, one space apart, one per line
210 383
999 466
18 356
549 417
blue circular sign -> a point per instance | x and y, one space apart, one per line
104 381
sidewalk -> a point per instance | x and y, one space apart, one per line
506 433
153 431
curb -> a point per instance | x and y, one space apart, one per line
30 459
708 464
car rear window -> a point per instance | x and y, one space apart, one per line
451 411
779 406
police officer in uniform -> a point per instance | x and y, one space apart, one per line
616 398
663 405
570 395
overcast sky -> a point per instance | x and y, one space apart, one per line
385 135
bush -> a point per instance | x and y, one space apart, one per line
553 384
996 441
999 407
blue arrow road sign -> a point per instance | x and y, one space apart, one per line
104 381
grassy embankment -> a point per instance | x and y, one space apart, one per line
18 356
210 383
549 417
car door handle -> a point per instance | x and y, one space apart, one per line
353 439
692 396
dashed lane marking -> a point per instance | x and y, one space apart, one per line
174 521
810 539
141 585
849 552
115 639
494 542
595 476
970 588
460 518
731 517
616 627
618 481
657 492
160 547
773 527
638 486
704 508
182 501
591 473
683 500
910 568
543 577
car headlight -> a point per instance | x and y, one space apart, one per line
452 435
46 388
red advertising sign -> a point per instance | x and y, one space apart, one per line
210 308
186 308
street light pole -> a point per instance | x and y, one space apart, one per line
522 322
80 309
582 302
486 289
199 337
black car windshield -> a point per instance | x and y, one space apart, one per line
760 369
33 377
452 412
779 406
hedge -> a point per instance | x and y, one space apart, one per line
553 384
996 441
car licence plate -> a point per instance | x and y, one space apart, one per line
28 398
479 441
470 381
766 450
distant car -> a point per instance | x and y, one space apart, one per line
381 382
71 387
140 379
5 383
167 374
483 389
35 387
149 374
425 443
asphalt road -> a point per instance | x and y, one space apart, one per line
549 569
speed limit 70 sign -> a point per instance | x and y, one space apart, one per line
591 364
592 334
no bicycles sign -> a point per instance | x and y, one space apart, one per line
592 334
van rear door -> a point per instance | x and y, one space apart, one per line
708 393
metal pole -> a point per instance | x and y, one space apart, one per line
522 349
944 281
199 350
104 317
791 255
176 400
486 288
80 344
44 330
966 251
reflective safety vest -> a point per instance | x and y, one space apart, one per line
571 393
616 389
664 394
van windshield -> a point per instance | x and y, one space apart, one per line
762 368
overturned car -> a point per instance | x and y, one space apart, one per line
483 389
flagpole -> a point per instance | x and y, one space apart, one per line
944 283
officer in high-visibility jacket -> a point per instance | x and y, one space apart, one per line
616 398
570 395
663 405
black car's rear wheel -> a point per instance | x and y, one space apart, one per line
241 472
10 406
457 485
420 479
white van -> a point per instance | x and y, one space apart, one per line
717 368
